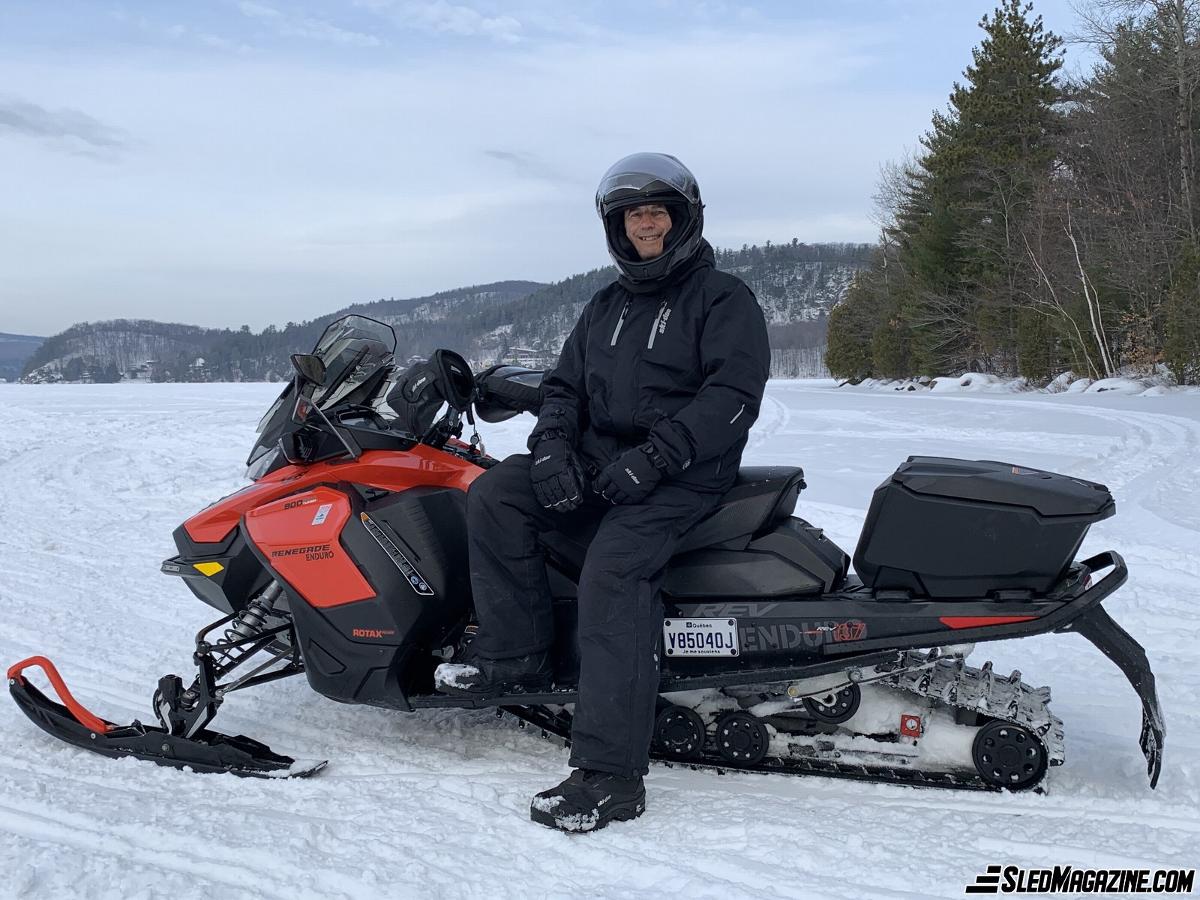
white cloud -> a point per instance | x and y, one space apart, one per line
443 17
259 11
216 42
64 129
324 31
306 26
181 33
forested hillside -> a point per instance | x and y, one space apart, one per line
1049 223
523 321
156 351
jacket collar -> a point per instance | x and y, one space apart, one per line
702 258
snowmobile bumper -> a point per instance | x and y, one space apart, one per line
206 751
1115 642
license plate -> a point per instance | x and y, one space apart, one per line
700 637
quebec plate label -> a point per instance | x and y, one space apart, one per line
700 637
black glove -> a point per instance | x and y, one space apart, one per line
629 478
555 473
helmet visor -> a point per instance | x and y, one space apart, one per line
644 177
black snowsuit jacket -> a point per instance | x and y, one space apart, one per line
682 363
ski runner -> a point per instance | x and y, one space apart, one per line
641 431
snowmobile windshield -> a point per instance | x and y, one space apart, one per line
352 349
272 414
277 420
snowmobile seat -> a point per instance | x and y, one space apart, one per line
761 498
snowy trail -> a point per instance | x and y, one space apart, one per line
93 479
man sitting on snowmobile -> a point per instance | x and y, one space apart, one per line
650 404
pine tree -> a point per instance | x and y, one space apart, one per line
1182 349
1131 154
851 324
983 159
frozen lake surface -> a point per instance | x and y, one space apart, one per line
94 478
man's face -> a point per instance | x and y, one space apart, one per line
647 227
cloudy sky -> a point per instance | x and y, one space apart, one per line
225 163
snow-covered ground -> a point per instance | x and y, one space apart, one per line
94 478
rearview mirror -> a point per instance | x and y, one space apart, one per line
309 368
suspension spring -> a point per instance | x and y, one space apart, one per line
251 621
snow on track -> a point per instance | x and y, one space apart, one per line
94 478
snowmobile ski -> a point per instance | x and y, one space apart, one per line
205 751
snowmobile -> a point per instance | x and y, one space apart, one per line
345 560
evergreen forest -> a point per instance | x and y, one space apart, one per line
1048 222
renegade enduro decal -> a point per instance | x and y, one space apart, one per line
313 553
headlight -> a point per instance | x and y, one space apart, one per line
263 464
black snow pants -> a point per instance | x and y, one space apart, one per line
620 611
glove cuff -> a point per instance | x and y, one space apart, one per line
546 434
656 458
551 420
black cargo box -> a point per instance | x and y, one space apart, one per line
947 528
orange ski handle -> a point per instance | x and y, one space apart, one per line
78 710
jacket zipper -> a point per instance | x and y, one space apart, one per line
620 322
654 325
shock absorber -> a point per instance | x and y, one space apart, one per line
251 620
187 711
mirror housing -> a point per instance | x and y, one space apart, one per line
309 368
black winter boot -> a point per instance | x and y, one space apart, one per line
475 676
588 801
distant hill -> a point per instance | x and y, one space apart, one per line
796 285
516 321
154 351
15 349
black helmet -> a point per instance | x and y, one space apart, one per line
650 178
